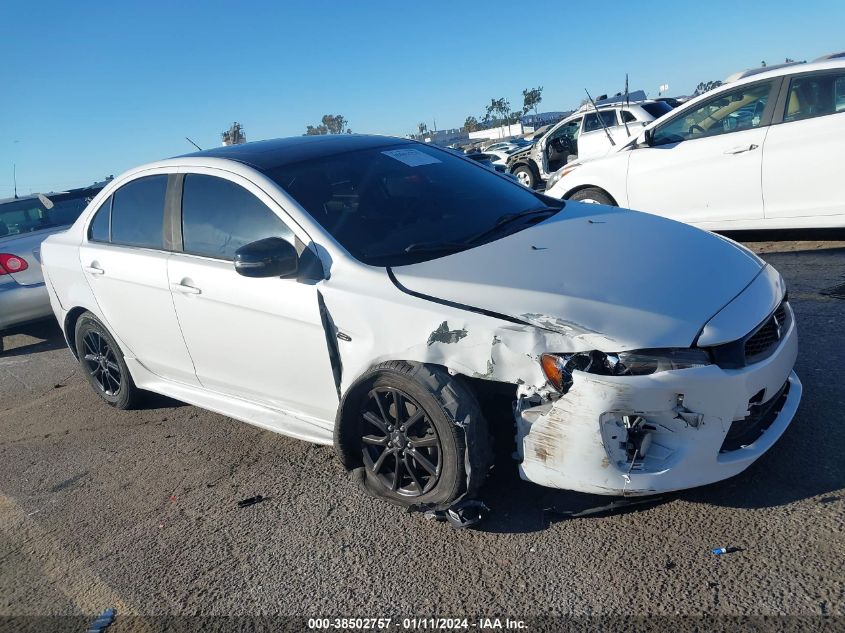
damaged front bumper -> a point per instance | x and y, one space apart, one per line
640 435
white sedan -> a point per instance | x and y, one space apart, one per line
760 152
371 292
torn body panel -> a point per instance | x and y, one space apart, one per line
639 435
614 435
464 342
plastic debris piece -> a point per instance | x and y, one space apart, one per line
103 621
250 501
463 514
718 551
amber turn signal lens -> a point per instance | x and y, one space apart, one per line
553 368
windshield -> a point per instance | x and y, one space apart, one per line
30 214
402 204
657 109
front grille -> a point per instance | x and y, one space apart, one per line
757 345
760 417
764 338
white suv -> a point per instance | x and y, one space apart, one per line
762 151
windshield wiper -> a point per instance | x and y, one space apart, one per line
434 247
511 217
437 247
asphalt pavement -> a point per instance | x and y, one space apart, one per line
138 511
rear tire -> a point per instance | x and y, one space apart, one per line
418 456
103 364
525 176
593 195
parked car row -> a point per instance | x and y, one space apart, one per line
24 223
762 151
370 292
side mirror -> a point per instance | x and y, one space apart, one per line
645 138
270 257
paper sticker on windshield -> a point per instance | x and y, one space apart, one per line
411 157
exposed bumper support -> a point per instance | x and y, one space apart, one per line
593 439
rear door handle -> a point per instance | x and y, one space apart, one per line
741 149
185 289
93 270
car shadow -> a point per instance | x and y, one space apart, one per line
47 333
157 401
520 507
786 235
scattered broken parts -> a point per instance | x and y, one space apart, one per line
103 621
463 514
250 501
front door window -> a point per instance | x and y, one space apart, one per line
731 111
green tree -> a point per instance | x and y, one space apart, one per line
499 107
331 124
312 130
471 124
336 123
531 99
706 86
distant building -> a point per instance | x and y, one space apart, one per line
234 135
544 118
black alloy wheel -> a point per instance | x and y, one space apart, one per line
400 445
101 363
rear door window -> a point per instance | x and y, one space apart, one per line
98 230
815 95
591 121
137 215
219 216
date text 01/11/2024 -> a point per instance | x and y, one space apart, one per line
443 624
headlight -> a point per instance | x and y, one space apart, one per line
558 368
560 173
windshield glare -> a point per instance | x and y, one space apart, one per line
393 205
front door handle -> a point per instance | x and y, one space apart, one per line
93 270
741 149
186 289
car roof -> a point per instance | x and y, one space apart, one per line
754 74
270 154
78 191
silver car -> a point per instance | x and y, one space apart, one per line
25 222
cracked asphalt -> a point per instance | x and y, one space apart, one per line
138 511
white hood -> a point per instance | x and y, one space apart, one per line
634 279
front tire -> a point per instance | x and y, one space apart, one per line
593 195
102 361
407 426
525 176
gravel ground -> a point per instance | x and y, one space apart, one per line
138 511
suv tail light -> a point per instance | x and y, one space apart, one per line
10 264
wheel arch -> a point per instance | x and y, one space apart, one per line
575 190
69 327
525 162
439 379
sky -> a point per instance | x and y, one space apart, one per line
89 89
